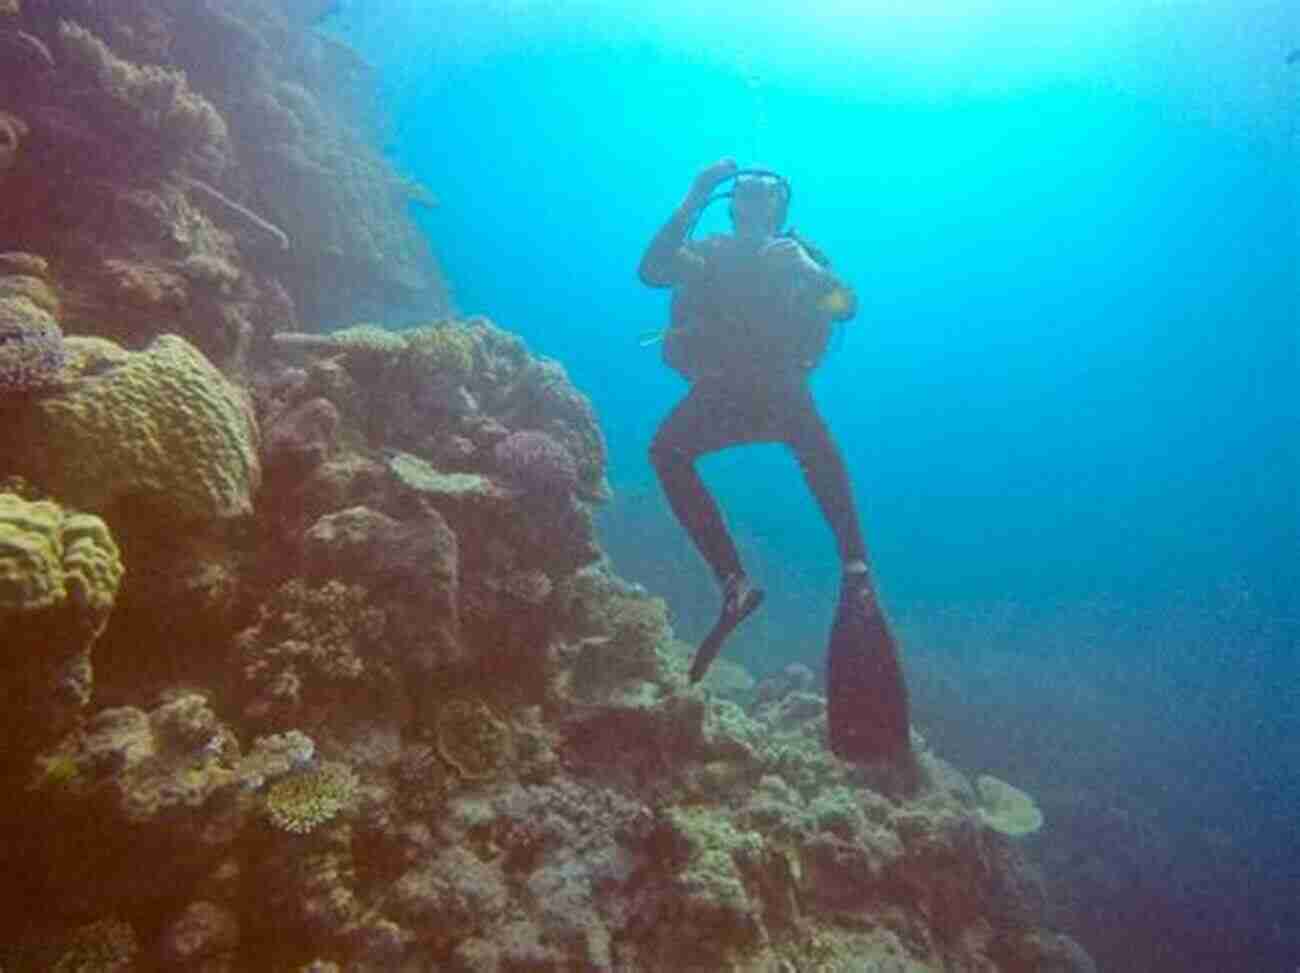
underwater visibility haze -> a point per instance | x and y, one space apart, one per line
1067 402
343 592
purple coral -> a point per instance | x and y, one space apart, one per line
31 347
538 463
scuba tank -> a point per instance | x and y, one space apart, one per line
693 351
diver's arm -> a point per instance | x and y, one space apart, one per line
668 260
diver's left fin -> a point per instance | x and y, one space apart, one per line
867 704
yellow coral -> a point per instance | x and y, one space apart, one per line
48 555
91 566
442 350
304 800
31 555
161 425
34 289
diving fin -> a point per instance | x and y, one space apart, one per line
866 696
736 607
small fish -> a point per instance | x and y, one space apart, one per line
1293 57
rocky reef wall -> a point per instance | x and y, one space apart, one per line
201 168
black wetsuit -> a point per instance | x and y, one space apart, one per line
757 337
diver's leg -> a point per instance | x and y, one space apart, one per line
691 430
827 477
867 700
701 423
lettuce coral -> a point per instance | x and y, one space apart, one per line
161 426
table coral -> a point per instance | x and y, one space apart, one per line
161 426
1006 809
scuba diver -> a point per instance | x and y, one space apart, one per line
751 318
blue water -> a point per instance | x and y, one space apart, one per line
1068 403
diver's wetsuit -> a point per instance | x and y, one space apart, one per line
716 414
741 391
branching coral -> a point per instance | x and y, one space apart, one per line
440 352
307 638
472 739
303 801
156 99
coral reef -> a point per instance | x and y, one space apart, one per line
365 694
538 463
139 145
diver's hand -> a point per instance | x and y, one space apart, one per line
710 176
785 250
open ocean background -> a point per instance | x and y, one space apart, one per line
1069 403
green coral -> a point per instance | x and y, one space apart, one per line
159 100
1006 809
715 885
56 772
161 425
100 947
49 556
303 801
472 739
442 351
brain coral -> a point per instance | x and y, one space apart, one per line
48 556
160 425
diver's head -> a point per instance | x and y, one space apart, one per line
759 205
